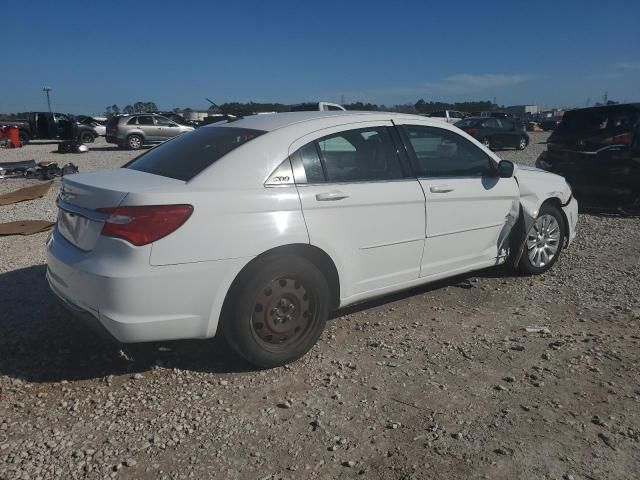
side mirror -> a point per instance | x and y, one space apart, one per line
505 169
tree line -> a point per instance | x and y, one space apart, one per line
138 107
248 108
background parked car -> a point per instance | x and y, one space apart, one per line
51 126
99 124
135 131
550 123
450 116
495 133
317 107
598 151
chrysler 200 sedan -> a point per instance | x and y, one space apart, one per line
261 227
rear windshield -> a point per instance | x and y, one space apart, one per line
189 154
598 121
468 122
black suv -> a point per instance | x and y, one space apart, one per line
597 150
495 133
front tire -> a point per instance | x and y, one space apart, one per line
277 311
522 143
486 142
543 242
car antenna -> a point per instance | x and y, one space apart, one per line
229 120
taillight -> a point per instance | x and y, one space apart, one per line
471 131
622 138
144 225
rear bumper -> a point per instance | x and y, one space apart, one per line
135 302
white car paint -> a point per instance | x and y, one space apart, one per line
381 236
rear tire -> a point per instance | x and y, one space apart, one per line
486 142
543 242
24 138
522 143
277 311
86 137
134 142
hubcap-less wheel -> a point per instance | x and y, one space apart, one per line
283 312
543 240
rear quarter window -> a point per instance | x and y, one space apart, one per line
187 155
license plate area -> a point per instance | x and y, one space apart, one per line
78 230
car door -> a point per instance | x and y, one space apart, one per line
362 205
510 137
491 130
469 209
149 128
166 128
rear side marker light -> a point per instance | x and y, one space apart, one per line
146 224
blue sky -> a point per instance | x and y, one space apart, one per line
176 53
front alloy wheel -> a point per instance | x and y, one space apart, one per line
522 144
543 242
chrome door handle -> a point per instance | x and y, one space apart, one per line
441 189
331 196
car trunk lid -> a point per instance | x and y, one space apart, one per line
82 195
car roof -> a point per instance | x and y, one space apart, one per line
276 121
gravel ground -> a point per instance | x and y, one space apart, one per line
439 382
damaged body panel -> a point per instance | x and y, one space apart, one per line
537 187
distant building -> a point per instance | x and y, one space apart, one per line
523 110
194 115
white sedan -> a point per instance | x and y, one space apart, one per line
261 227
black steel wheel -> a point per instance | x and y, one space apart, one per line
24 137
86 137
277 311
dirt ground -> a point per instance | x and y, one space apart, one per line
438 382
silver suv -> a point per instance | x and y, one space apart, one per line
134 131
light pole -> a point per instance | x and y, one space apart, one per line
47 90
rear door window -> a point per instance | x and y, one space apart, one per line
187 155
361 155
145 120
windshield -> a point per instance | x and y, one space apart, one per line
467 123
189 154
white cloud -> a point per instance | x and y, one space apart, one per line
628 65
604 76
465 82
461 83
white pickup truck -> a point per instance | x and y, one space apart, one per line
449 116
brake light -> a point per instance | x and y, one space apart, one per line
471 131
146 224
622 138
